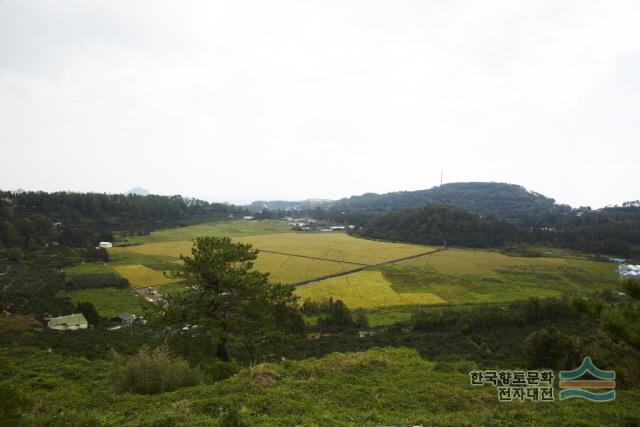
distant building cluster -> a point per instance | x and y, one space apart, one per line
628 271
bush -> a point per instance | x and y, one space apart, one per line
151 372
217 370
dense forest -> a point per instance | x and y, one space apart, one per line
33 219
611 231
440 225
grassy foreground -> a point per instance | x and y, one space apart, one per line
387 386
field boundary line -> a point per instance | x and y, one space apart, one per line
364 267
313 257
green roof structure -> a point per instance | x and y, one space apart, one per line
72 320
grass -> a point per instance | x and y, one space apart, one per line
108 301
219 229
87 268
334 246
380 386
473 276
140 276
171 288
155 262
364 289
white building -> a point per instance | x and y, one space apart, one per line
105 245
628 271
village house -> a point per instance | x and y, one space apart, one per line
105 245
628 271
72 322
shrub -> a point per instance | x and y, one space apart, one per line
151 372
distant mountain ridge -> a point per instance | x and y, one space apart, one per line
500 199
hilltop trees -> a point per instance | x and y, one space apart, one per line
438 225
234 311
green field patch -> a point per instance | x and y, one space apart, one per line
141 277
109 302
363 289
87 268
171 288
334 246
217 229
155 262
472 276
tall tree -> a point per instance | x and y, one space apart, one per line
236 307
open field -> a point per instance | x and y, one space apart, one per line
140 276
155 262
334 246
454 276
109 302
294 269
471 276
329 246
299 256
364 289
283 268
222 228
87 268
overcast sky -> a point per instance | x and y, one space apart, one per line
243 100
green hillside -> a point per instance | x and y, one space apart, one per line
390 386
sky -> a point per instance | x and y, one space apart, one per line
254 100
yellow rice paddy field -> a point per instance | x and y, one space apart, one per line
364 289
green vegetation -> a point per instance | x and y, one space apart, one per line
152 372
377 387
238 312
439 225
155 262
87 268
216 229
463 276
227 346
499 199
109 302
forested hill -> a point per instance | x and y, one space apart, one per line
503 200
104 212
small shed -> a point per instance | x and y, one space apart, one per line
71 322
105 245
125 318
